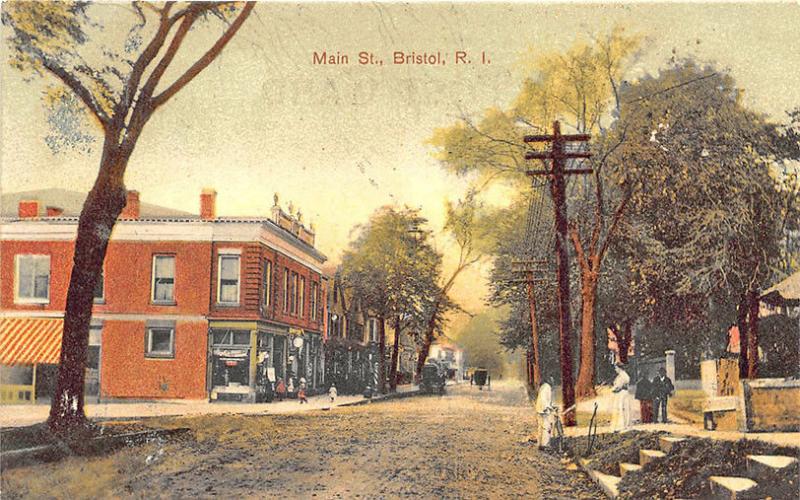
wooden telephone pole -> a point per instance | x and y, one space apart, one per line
558 156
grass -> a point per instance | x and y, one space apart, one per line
688 404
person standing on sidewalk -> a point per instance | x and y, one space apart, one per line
301 392
280 389
621 418
644 393
662 390
332 393
545 412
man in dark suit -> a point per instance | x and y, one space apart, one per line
662 389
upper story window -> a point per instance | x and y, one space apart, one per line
373 330
314 300
293 294
100 288
267 299
33 279
285 290
228 286
301 297
163 287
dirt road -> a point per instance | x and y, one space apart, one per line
468 444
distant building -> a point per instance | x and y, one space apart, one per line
188 306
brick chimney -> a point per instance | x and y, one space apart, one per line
131 210
28 209
208 204
54 211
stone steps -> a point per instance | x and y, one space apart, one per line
647 456
758 465
666 443
730 486
626 468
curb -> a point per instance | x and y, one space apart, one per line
385 397
95 446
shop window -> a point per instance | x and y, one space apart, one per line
163 279
160 342
33 279
228 291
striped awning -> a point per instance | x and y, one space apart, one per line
30 341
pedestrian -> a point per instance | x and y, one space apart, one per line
545 412
290 387
301 395
621 418
644 393
662 390
280 389
332 393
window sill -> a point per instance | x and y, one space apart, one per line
163 303
99 301
159 356
31 302
228 304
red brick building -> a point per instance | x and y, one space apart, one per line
190 306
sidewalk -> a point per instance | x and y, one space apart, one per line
23 415
696 430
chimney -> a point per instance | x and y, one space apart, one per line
208 204
28 209
131 210
54 211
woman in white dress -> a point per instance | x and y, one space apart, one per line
621 418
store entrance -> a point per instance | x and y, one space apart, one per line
230 365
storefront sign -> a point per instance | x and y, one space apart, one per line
296 331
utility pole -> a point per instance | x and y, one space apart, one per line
558 156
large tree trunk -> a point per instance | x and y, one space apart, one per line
535 369
584 387
741 323
424 351
752 333
98 216
395 356
382 354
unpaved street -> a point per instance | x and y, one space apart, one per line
468 444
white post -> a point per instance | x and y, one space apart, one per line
670 362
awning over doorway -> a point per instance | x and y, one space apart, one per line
30 341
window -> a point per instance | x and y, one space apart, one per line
314 299
231 337
164 279
293 294
267 283
228 292
160 342
285 290
301 297
33 279
373 330
99 287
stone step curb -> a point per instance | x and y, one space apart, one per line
94 446
625 468
608 483
758 465
667 443
730 486
647 456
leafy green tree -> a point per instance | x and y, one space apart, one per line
393 270
120 89
707 222
479 340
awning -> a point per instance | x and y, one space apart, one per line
30 341
787 291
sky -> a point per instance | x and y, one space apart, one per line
339 141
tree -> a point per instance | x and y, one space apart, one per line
479 340
705 160
120 93
462 223
581 87
393 270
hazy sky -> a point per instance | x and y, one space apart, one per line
339 141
